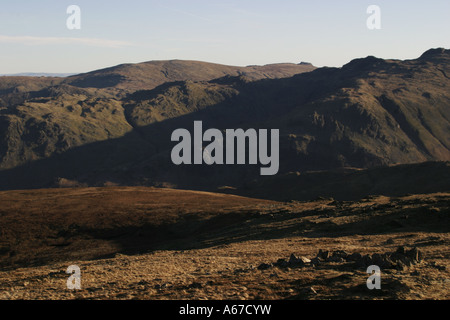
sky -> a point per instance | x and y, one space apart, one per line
34 36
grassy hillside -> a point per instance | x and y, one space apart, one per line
114 125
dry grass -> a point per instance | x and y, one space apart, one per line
171 244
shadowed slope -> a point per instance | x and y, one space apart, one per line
372 112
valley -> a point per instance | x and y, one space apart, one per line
87 178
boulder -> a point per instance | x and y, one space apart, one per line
324 255
281 263
264 266
298 261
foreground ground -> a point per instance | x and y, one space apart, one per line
147 243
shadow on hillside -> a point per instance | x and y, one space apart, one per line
241 227
196 232
142 157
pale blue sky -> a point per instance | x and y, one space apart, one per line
34 36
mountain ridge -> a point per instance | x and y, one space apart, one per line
130 77
371 112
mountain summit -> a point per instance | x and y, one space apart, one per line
148 75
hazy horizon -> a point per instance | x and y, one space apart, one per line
34 37
67 74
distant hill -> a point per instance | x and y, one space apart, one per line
148 75
54 115
113 126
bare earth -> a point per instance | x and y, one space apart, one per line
148 243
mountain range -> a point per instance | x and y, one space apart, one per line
113 126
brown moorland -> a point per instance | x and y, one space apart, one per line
148 243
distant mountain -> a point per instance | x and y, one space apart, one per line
113 126
148 75
40 117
